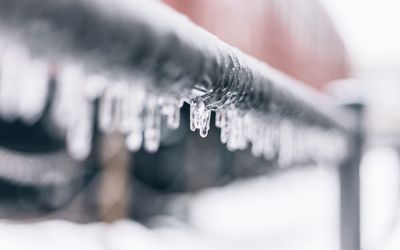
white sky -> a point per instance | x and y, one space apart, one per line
370 29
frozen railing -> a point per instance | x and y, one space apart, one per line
142 60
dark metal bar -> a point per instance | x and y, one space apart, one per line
146 38
349 176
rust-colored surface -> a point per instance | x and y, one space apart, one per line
294 36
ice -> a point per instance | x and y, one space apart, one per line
222 123
193 115
23 85
271 133
170 107
126 107
134 140
79 132
219 118
133 117
129 108
262 134
96 84
274 136
73 111
68 94
112 107
236 139
34 93
286 144
200 117
152 124
14 59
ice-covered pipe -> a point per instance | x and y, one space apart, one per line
131 38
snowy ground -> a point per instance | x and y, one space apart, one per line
285 212
297 210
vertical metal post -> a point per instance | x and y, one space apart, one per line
114 182
349 176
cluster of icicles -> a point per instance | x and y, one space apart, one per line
137 113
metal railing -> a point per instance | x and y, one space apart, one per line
132 40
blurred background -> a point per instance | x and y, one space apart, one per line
193 193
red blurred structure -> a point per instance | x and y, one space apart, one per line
294 36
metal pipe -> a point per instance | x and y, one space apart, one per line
349 180
131 39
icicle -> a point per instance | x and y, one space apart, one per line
14 62
74 112
299 149
232 143
170 107
271 135
286 144
255 135
224 125
111 107
34 94
126 117
133 117
68 95
193 114
23 85
134 140
200 117
204 126
235 131
241 134
174 118
95 86
219 118
79 132
152 125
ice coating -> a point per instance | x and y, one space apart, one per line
238 88
277 138
131 109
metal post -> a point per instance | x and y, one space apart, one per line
349 175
